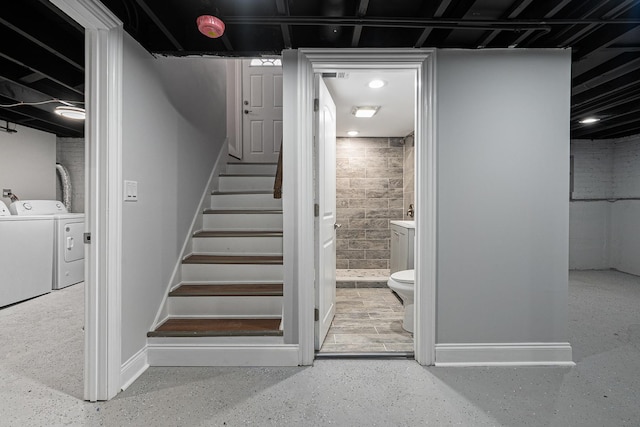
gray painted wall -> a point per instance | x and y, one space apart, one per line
503 210
174 124
28 164
606 234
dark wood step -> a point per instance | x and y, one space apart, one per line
228 290
242 211
222 193
178 327
252 163
247 176
233 259
238 234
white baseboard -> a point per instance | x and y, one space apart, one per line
504 354
223 354
133 368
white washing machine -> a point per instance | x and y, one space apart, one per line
68 234
26 256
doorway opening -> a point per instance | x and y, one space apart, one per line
300 242
374 180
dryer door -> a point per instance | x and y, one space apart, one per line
72 234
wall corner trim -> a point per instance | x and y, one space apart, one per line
504 354
133 368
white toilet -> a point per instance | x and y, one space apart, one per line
402 283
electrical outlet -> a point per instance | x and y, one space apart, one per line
131 191
6 192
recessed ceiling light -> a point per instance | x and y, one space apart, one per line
377 84
589 120
352 133
74 113
365 111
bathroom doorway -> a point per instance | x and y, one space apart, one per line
374 188
299 68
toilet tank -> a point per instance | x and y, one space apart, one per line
402 245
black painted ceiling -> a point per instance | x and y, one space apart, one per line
41 51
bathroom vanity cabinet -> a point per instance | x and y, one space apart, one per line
402 244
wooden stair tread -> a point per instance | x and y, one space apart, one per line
242 211
243 233
233 259
262 175
222 193
252 163
229 290
204 327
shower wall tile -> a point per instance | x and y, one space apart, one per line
409 176
369 188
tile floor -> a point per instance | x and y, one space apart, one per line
367 320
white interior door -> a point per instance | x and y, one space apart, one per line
325 147
261 112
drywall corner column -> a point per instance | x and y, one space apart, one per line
503 210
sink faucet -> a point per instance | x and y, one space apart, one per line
410 212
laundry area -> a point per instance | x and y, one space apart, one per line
41 218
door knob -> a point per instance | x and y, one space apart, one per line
336 226
247 111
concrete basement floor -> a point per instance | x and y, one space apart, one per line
41 377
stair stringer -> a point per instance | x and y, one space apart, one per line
196 224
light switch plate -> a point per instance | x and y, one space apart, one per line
130 191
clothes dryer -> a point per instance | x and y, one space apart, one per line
26 256
68 236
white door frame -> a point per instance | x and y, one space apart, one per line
103 213
299 67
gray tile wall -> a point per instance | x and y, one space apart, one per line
70 154
369 193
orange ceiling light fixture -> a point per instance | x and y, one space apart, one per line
210 26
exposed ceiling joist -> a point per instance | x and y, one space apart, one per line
604 36
363 5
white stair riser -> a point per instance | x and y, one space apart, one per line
244 272
225 306
252 169
238 245
240 222
246 183
235 201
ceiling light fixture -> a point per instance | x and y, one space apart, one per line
588 120
352 133
210 26
377 84
74 113
365 112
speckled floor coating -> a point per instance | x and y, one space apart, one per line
603 389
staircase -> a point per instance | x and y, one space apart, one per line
230 293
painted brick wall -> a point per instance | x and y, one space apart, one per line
592 169
369 193
626 167
70 154
605 234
